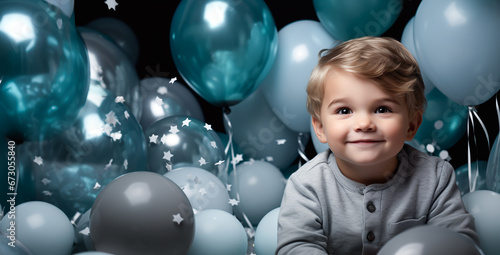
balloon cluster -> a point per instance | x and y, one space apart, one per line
106 163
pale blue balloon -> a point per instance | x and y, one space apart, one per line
203 189
462 176
218 232
266 233
259 188
457 46
285 86
42 228
484 206
260 134
223 49
9 245
493 167
348 19
407 41
318 146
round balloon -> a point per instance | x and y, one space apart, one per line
285 87
349 19
235 42
429 239
44 70
218 232
493 168
162 97
462 176
111 69
457 46
41 227
256 188
9 245
70 170
260 134
179 141
203 189
266 234
142 213
484 206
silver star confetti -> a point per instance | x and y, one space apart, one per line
233 202
164 139
172 80
116 136
219 162
186 122
119 99
111 119
237 159
202 161
174 130
207 127
38 160
213 144
126 114
153 139
111 4
97 185
281 141
177 218
167 155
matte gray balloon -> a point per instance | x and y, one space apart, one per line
142 213
161 99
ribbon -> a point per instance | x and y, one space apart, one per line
474 173
301 148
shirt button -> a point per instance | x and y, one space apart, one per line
370 207
370 236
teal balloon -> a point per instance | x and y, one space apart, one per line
42 228
44 70
349 19
462 176
218 232
260 134
266 233
493 167
66 6
70 170
484 206
444 121
451 38
223 49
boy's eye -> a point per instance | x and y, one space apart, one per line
344 111
383 109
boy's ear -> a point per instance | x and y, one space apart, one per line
318 129
414 125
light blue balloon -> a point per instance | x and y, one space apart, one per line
348 19
44 70
259 188
462 176
218 232
484 206
223 49
260 134
407 41
266 234
493 167
161 99
318 146
120 33
285 87
9 245
457 46
203 189
42 228
70 170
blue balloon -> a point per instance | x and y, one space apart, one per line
104 143
349 19
462 176
266 234
493 167
218 232
223 49
457 46
9 245
44 70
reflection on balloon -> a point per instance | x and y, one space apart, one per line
462 176
484 206
69 170
258 186
218 232
38 97
142 213
66 6
42 228
356 18
284 88
111 69
223 49
266 234
463 33
162 98
180 141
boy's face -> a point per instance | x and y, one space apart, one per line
362 124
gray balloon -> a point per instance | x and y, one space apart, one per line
162 98
142 213
428 239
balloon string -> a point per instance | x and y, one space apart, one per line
230 148
301 147
472 176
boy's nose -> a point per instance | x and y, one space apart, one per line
364 123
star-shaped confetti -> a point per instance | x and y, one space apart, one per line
202 191
111 4
164 139
85 231
237 159
207 127
167 155
162 90
116 135
97 185
47 193
119 99
126 114
153 139
46 181
173 129
177 218
269 159
228 187
219 162
281 141
172 80
125 164
38 160
213 144
111 118
233 202
186 122
159 101
202 161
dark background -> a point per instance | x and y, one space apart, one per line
150 21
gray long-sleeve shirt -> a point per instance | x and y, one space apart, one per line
324 212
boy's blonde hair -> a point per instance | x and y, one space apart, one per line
383 60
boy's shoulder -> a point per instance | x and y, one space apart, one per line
420 162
